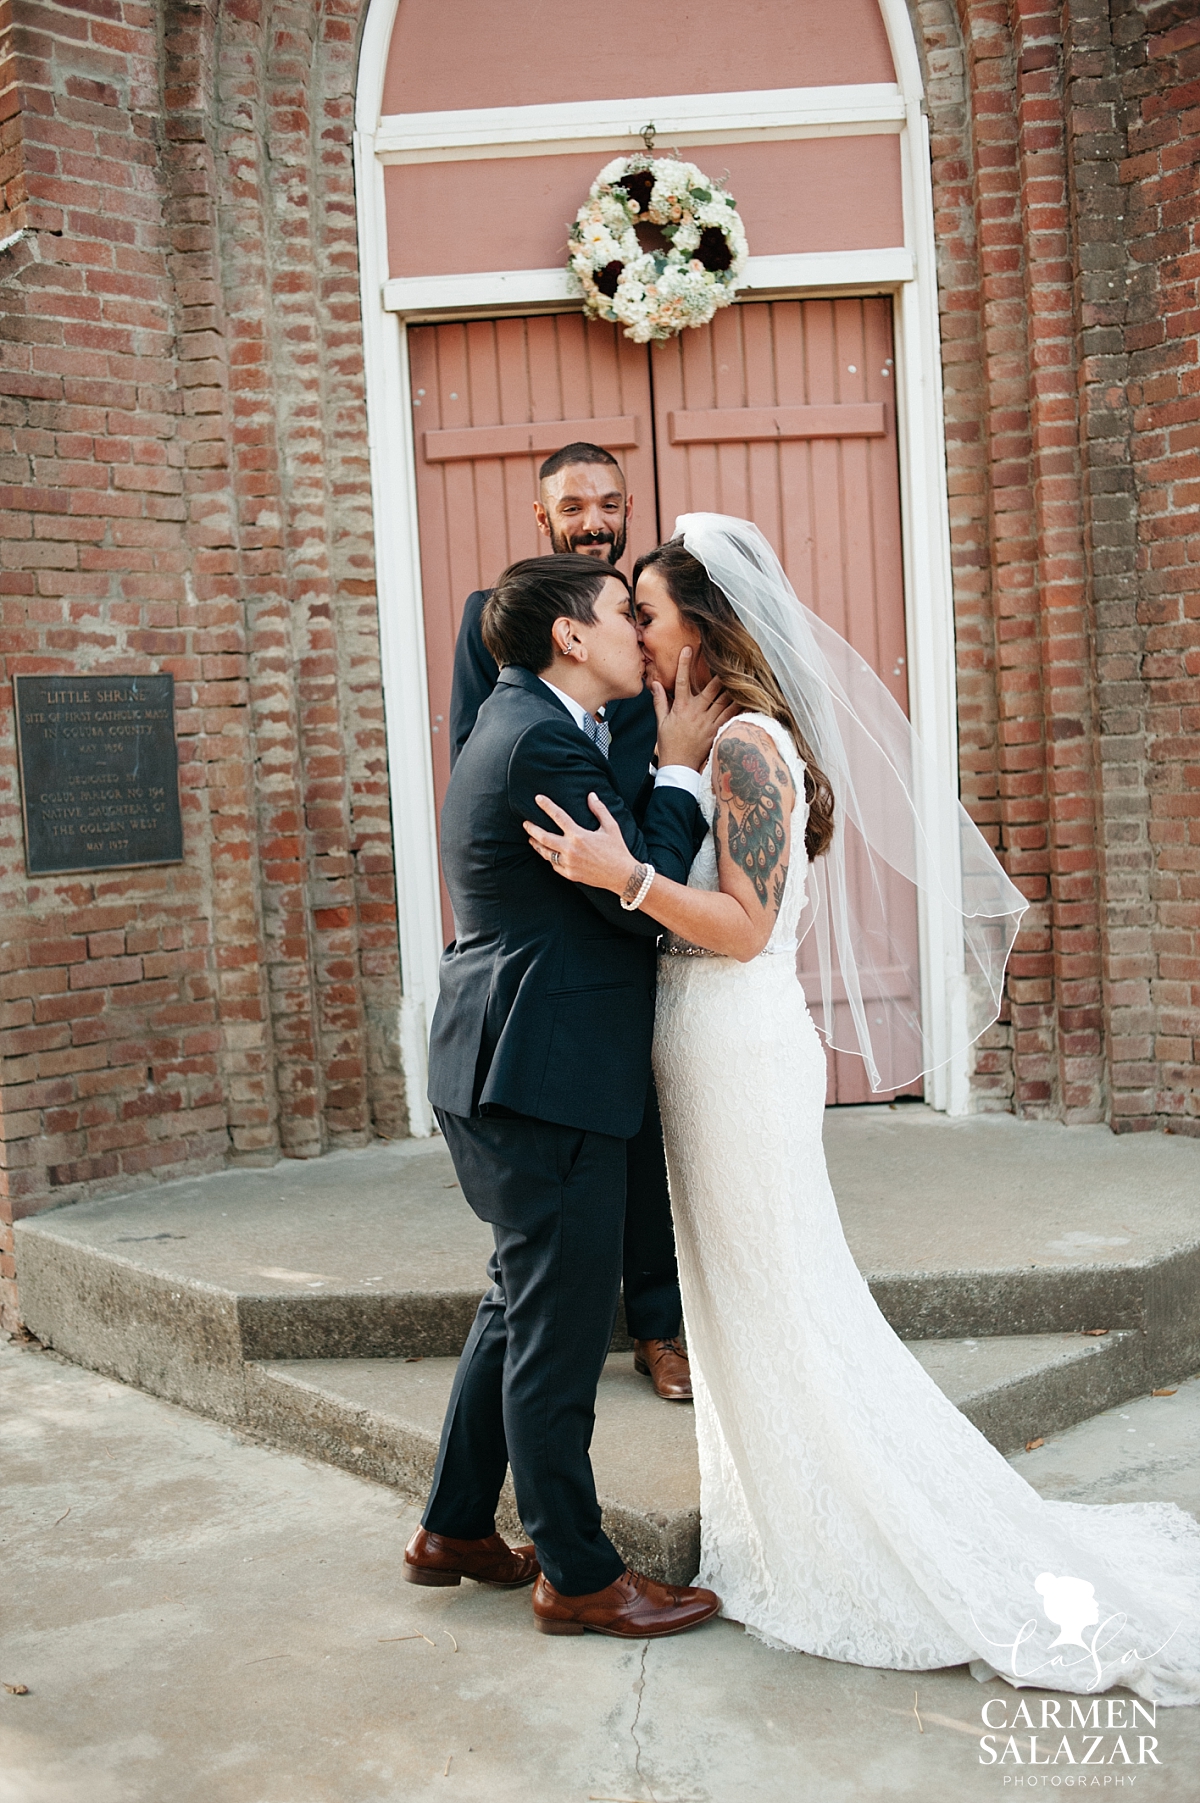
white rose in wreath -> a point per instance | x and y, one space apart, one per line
656 247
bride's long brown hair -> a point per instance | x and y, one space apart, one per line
735 658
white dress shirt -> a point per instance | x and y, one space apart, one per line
670 776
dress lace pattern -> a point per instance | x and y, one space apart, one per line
848 1509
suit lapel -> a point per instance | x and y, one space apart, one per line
514 677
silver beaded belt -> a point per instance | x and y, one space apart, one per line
681 948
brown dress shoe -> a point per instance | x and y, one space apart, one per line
634 1608
666 1364
437 1560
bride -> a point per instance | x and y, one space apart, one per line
847 1508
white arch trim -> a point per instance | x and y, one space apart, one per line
907 271
600 125
398 578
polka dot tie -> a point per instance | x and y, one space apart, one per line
599 732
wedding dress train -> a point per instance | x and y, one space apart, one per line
848 1509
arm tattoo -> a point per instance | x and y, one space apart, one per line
756 833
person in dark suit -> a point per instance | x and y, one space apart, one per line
538 1066
583 507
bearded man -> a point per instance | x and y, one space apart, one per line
583 506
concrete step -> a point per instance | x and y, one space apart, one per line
981 1227
382 1418
323 1304
1020 1387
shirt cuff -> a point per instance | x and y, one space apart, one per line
679 776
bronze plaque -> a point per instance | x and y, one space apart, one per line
99 772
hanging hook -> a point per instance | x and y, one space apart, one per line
649 133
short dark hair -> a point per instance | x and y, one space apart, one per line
531 595
577 453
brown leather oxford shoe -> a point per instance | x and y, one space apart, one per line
437 1560
634 1608
665 1363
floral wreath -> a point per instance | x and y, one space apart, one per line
656 246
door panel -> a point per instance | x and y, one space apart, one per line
470 443
774 425
524 387
783 413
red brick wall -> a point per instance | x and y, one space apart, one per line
1151 675
185 488
1064 140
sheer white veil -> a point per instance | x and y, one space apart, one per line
902 841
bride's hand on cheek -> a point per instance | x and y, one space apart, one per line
600 859
688 724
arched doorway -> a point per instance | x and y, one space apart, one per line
812 405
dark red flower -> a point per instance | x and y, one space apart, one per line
607 278
638 185
713 249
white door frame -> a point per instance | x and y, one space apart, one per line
906 271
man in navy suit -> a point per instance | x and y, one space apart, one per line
583 507
538 1067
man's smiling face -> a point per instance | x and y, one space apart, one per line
584 508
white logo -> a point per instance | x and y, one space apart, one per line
1070 1603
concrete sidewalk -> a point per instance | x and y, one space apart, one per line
202 1619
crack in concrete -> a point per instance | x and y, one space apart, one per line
640 1688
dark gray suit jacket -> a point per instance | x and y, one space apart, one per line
547 992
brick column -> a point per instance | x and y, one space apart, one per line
1029 548
1063 628
1152 650
1011 541
1102 281
238 532
223 667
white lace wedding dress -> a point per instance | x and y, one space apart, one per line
847 1508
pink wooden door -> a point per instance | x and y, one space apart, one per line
491 400
780 412
783 413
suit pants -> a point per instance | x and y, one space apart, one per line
653 1309
524 1394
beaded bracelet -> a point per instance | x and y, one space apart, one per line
638 887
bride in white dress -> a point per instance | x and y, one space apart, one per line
847 1508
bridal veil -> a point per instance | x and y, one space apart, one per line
899 828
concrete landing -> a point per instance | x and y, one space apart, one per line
381 1418
989 1225
980 1227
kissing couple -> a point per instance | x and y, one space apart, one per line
847 1508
